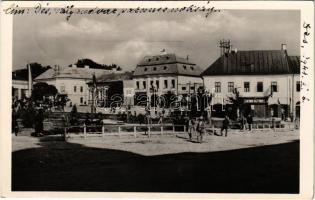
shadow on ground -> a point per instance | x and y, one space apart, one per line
62 166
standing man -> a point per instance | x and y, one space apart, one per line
250 121
225 125
191 127
200 129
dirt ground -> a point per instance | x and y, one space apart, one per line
242 162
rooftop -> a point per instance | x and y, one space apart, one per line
166 64
255 62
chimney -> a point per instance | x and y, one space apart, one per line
283 47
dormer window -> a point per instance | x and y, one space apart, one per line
154 68
149 60
167 57
157 59
165 68
145 69
184 66
191 67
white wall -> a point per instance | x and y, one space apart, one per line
69 84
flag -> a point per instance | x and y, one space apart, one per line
163 50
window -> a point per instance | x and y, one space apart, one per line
183 88
230 86
192 88
81 100
260 87
165 68
62 89
145 69
217 87
154 68
149 60
75 89
167 57
298 86
165 84
81 89
173 83
157 83
274 86
246 86
138 85
144 85
151 84
184 66
192 68
157 59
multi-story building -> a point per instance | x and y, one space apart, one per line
267 81
164 74
71 81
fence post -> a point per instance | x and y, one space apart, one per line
161 130
213 129
119 131
135 131
173 128
251 127
184 129
84 131
149 131
103 131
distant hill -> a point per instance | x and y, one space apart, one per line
22 74
83 62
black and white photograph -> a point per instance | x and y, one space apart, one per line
192 99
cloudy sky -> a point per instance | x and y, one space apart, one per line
124 40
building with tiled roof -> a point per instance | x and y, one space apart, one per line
166 74
267 80
71 81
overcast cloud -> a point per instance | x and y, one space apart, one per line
126 39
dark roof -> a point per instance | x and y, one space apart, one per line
66 72
294 62
166 64
260 62
112 77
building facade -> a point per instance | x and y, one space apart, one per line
163 75
71 81
267 82
114 89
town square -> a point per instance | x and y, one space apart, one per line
178 103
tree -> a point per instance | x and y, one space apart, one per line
237 101
74 115
41 90
37 69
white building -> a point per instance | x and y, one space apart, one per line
20 88
165 74
71 81
268 82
